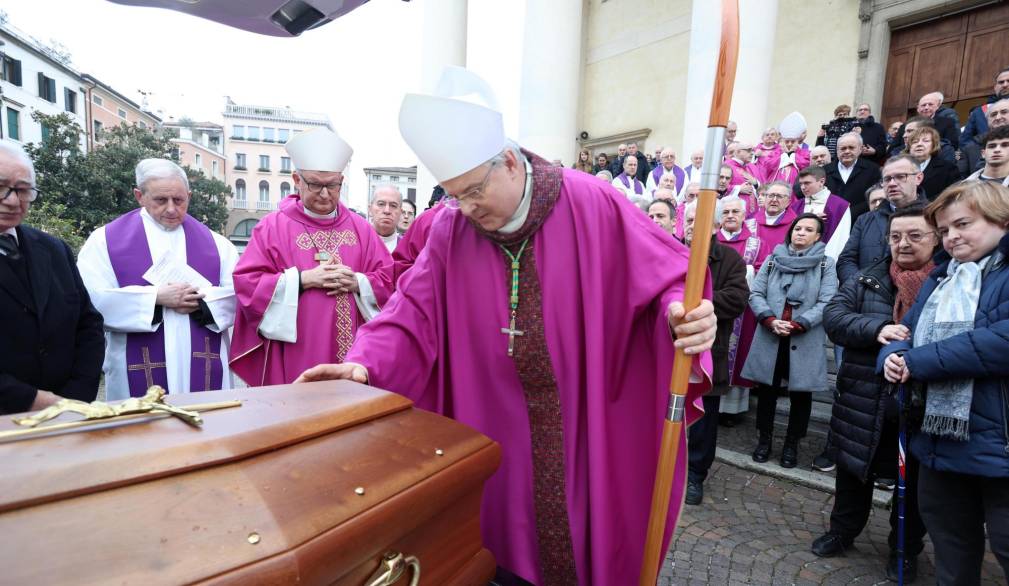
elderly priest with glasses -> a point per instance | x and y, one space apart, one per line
543 312
313 273
52 345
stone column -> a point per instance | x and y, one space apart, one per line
443 43
757 23
551 69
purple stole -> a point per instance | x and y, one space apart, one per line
750 258
146 362
659 171
835 208
639 188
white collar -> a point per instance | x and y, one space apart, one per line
741 163
774 219
312 214
13 232
390 238
820 196
520 215
730 235
924 164
149 218
841 165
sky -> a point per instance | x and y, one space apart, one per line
354 69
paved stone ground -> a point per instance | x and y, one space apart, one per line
753 528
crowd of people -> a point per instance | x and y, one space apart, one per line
486 308
855 239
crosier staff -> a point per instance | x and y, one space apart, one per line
672 425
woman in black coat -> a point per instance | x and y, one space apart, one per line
864 422
923 145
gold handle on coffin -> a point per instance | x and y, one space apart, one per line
391 569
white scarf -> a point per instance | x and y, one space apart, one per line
787 160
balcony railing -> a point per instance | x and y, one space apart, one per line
238 168
240 204
264 205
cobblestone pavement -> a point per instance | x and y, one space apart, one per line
756 529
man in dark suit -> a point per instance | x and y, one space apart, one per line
850 175
873 135
53 345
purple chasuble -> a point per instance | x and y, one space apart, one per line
659 171
639 188
146 363
835 208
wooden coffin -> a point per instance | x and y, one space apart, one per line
302 484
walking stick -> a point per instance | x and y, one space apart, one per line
672 425
901 481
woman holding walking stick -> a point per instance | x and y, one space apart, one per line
958 348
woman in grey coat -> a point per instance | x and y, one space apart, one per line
788 296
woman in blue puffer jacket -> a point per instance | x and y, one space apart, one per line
959 352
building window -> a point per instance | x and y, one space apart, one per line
142 124
213 167
97 128
264 162
253 133
411 180
376 177
244 228
285 164
411 193
11 70
47 88
267 135
264 196
121 113
13 124
70 100
240 161
198 160
285 189
394 178
238 131
283 134
97 100
240 190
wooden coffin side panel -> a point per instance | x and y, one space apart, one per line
207 522
436 521
61 466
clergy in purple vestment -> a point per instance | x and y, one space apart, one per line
773 221
734 233
627 183
162 282
786 164
692 172
667 166
744 170
768 143
539 313
833 210
312 274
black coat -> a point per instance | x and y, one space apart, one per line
53 336
939 175
867 243
863 176
873 135
853 319
949 138
730 295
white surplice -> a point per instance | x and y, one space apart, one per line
131 309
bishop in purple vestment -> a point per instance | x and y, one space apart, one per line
539 313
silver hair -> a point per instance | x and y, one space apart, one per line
148 169
854 134
719 204
510 146
606 175
671 193
17 152
642 202
388 186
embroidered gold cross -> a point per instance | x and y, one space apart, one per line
207 357
147 366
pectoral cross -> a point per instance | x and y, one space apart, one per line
512 332
322 257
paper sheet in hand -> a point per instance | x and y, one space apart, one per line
169 270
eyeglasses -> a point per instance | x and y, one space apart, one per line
912 237
775 196
318 187
473 193
22 193
896 178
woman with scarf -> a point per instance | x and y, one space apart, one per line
788 296
958 350
865 314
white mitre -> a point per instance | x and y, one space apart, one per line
319 150
456 129
792 126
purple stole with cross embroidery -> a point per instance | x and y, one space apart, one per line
146 363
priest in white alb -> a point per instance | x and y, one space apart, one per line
313 272
162 282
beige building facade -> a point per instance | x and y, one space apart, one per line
107 109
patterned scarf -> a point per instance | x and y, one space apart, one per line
908 282
949 311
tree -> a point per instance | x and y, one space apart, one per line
82 191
